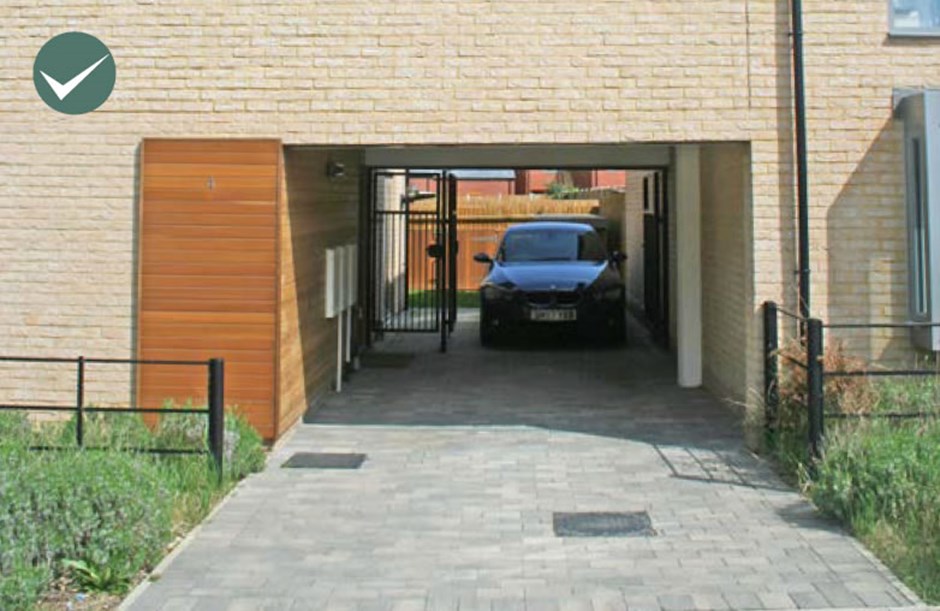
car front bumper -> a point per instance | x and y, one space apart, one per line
591 315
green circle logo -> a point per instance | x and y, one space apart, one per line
74 73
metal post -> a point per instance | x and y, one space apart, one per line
339 350
771 344
453 247
217 411
802 170
80 403
406 206
440 264
814 378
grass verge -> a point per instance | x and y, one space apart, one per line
94 520
465 299
880 477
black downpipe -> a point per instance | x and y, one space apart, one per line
799 101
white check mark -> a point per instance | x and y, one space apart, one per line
61 90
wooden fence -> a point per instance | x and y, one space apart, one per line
481 223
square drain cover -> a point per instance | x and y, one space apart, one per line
601 524
323 460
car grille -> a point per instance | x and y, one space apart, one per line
553 298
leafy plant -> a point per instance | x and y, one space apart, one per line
560 190
92 578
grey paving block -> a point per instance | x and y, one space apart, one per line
777 600
467 468
809 599
672 602
744 600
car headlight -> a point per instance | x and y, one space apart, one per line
609 294
494 292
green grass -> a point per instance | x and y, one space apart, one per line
101 517
465 299
880 477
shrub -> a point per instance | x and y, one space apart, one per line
879 477
848 395
883 480
14 428
560 190
101 516
244 452
106 509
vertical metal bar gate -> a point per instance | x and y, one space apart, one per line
413 253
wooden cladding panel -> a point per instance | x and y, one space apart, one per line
319 213
208 271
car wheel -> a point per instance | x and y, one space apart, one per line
487 331
618 331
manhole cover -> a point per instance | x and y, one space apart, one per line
603 524
387 360
323 460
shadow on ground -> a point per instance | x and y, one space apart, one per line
551 381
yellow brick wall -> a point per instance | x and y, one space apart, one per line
633 239
349 72
726 268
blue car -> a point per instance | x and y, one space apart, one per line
552 274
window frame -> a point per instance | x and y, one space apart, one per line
895 32
920 235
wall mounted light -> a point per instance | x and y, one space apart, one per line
335 170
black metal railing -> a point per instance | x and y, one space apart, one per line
214 412
812 346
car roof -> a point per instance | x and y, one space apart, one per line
570 217
553 225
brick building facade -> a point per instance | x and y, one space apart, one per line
705 85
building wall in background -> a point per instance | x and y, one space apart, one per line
522 72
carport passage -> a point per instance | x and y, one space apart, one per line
470 455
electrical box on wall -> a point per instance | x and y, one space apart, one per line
329 295
339 275
920 112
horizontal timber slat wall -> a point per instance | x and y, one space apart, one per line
318 213
208 271
481 223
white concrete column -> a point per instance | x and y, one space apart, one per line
688 306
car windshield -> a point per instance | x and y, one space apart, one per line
551 245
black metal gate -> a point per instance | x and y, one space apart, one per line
413 248
656 255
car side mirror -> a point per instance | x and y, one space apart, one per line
482 257
618 257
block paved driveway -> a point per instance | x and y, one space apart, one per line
468 457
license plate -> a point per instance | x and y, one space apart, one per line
553 315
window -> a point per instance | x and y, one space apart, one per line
920 112
526 245
919 235
915 17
